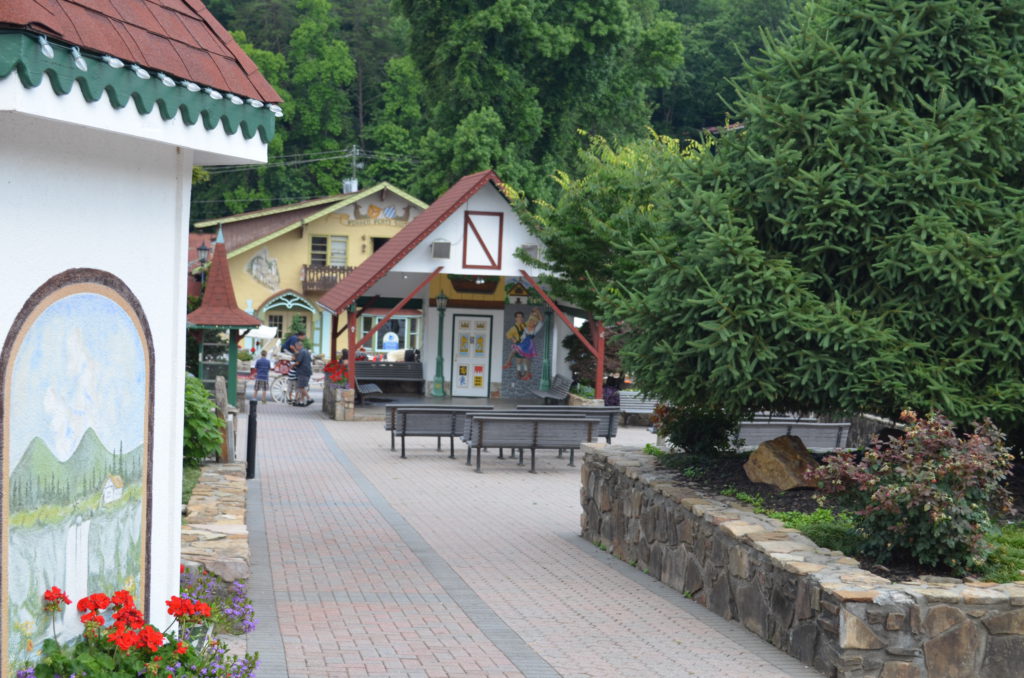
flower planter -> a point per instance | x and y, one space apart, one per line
339 402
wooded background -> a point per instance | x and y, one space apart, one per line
422 92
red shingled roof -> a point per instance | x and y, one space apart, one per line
383 260
178 37
219 308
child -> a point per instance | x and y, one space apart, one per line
262 376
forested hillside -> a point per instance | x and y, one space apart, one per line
421 92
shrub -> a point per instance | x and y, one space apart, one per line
245 355
203 437
925 497
696 429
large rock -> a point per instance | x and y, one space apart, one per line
781 462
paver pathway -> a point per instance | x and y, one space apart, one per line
368 565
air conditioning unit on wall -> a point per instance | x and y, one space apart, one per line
441 249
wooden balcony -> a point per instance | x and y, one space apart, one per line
319 279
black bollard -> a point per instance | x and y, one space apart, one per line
250 443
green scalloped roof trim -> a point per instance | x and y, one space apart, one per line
21 52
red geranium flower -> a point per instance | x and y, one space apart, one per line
55 594
151 638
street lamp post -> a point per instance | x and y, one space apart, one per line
204 254
438 389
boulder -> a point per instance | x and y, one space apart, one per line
781 462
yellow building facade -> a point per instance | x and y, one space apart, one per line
283 259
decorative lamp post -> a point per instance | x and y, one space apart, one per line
438 390
545 370
204 255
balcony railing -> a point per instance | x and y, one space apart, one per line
322 278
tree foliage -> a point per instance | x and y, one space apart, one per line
857 247
427 91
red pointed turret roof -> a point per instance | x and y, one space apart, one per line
219 308
383 260
178 37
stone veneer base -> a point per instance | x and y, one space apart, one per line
815 604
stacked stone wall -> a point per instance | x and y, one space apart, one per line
815 604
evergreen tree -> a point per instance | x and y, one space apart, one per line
858 246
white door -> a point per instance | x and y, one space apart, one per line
471 356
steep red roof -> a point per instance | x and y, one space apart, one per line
178 37
219 308
383 260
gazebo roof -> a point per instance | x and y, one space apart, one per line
219 309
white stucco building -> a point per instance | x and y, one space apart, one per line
104 110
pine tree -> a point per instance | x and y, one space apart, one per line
857 247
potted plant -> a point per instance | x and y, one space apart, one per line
244 361
338 397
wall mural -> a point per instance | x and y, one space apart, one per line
523 345
77 425
264 269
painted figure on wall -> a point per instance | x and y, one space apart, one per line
522 334
75 447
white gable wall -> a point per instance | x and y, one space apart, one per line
75 197
487 199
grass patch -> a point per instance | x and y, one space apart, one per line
828 529
188 481
1006 559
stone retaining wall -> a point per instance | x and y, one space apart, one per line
815 604
214 534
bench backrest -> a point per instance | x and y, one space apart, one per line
532 432
390 410
815 436
774 416
608 416
370 370
424 422
467 426
632 400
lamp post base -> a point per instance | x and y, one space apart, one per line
438 389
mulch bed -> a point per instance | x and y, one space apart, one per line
726 473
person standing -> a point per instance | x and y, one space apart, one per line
291 348
303 372
262 377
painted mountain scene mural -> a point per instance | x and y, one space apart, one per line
75 498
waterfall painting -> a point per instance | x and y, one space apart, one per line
76 439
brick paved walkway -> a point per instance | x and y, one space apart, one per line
368 565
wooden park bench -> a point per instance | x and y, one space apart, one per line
608 417
529 431
631 402
368 371
558 391
815 435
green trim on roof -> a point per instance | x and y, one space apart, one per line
21 52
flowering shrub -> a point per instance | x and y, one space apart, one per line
128 647
925 497
335 373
